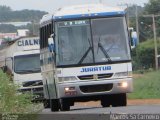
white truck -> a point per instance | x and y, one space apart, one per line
21 59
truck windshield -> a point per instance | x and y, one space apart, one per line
24 64
92 41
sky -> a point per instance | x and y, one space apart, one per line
52 5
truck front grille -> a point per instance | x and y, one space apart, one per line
32 90
96 88
32 83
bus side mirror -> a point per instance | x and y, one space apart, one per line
134 39
51 45
132 43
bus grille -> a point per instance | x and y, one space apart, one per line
96 88
99 76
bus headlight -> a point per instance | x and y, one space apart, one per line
70 91
123 84
65 79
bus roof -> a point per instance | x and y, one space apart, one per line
82 11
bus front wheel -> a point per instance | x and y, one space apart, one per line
64 105
119 100
106 101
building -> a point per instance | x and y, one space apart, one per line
8 35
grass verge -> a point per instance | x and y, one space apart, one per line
12 102
146 86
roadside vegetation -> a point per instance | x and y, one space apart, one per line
146 86
146 80
143 56
13 102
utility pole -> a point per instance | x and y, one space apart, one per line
33 27
155 38
137 25
155 42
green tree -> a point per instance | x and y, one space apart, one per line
8 15
131 11
152 7
4 10
143 55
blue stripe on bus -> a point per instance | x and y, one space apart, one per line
89 15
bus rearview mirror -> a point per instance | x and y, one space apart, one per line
51 45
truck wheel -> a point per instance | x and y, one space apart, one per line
54 105
106 101
119 100
46 103
64 105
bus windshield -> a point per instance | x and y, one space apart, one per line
93 41
24 64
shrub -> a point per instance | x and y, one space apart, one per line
10 100
143 56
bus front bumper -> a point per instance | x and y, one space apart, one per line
93 88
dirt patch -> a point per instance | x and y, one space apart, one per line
129 102
144 102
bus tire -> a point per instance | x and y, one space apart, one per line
64 105
54 105
119 100
106 101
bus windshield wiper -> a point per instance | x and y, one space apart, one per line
86 53
103 50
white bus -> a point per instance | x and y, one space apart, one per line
85 55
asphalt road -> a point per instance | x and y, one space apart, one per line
99 113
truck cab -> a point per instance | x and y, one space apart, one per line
22 61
